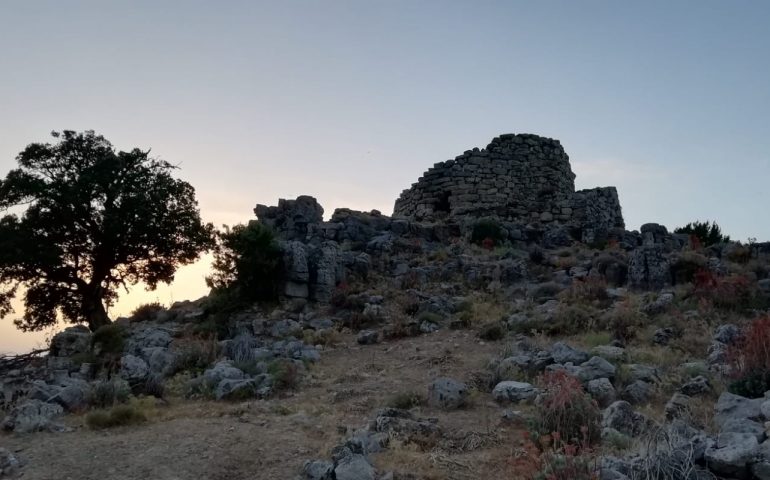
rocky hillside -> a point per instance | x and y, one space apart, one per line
450 346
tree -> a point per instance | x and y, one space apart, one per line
247 263
708 233
87 220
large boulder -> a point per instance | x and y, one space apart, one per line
595 367
622 417
71 341
354 467
34 416
447 393
563 353
133 369
648 268
220 371
733 454
734 408
511 391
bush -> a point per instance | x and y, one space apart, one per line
109 393
707 233
749 360
146 312
734 292
405 400
285 374
488 233
587 290
109 339
195 354
247 263
567 410
118 416
492 332
686 266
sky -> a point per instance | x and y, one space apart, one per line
350 101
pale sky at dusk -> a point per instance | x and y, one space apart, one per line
352 101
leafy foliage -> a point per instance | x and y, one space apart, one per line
708 233
91 220
247 263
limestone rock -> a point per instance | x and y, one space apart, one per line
447 393
733 454
71 341
33 416
511 391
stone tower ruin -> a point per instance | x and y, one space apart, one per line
521 178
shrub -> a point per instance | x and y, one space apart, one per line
545 291
146 312
405 400
109 339
195 354
487 232
247 263
590 289
707 233
686 266
118 416
108 393
551 458
492 332
285 374
749 359
567 410
733 292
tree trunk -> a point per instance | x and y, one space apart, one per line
94 312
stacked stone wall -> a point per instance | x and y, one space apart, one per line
520 178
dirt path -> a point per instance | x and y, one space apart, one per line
271 439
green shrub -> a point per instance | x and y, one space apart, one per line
492 331
405 400
117 416
686 265
146 312
108 393
247 264
487 229
109 339
430 317
707 233
546 291
286 374
195 354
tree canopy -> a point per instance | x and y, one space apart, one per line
247 263
707 233
82 220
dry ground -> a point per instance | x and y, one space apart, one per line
271 439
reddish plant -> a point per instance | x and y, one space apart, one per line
695 242
567 410
488 243
551 458
731 292
751 353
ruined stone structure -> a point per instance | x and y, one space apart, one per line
522 178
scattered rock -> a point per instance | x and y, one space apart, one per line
696 386
447 393
602 391
511 391
368 337
34 416
563 353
